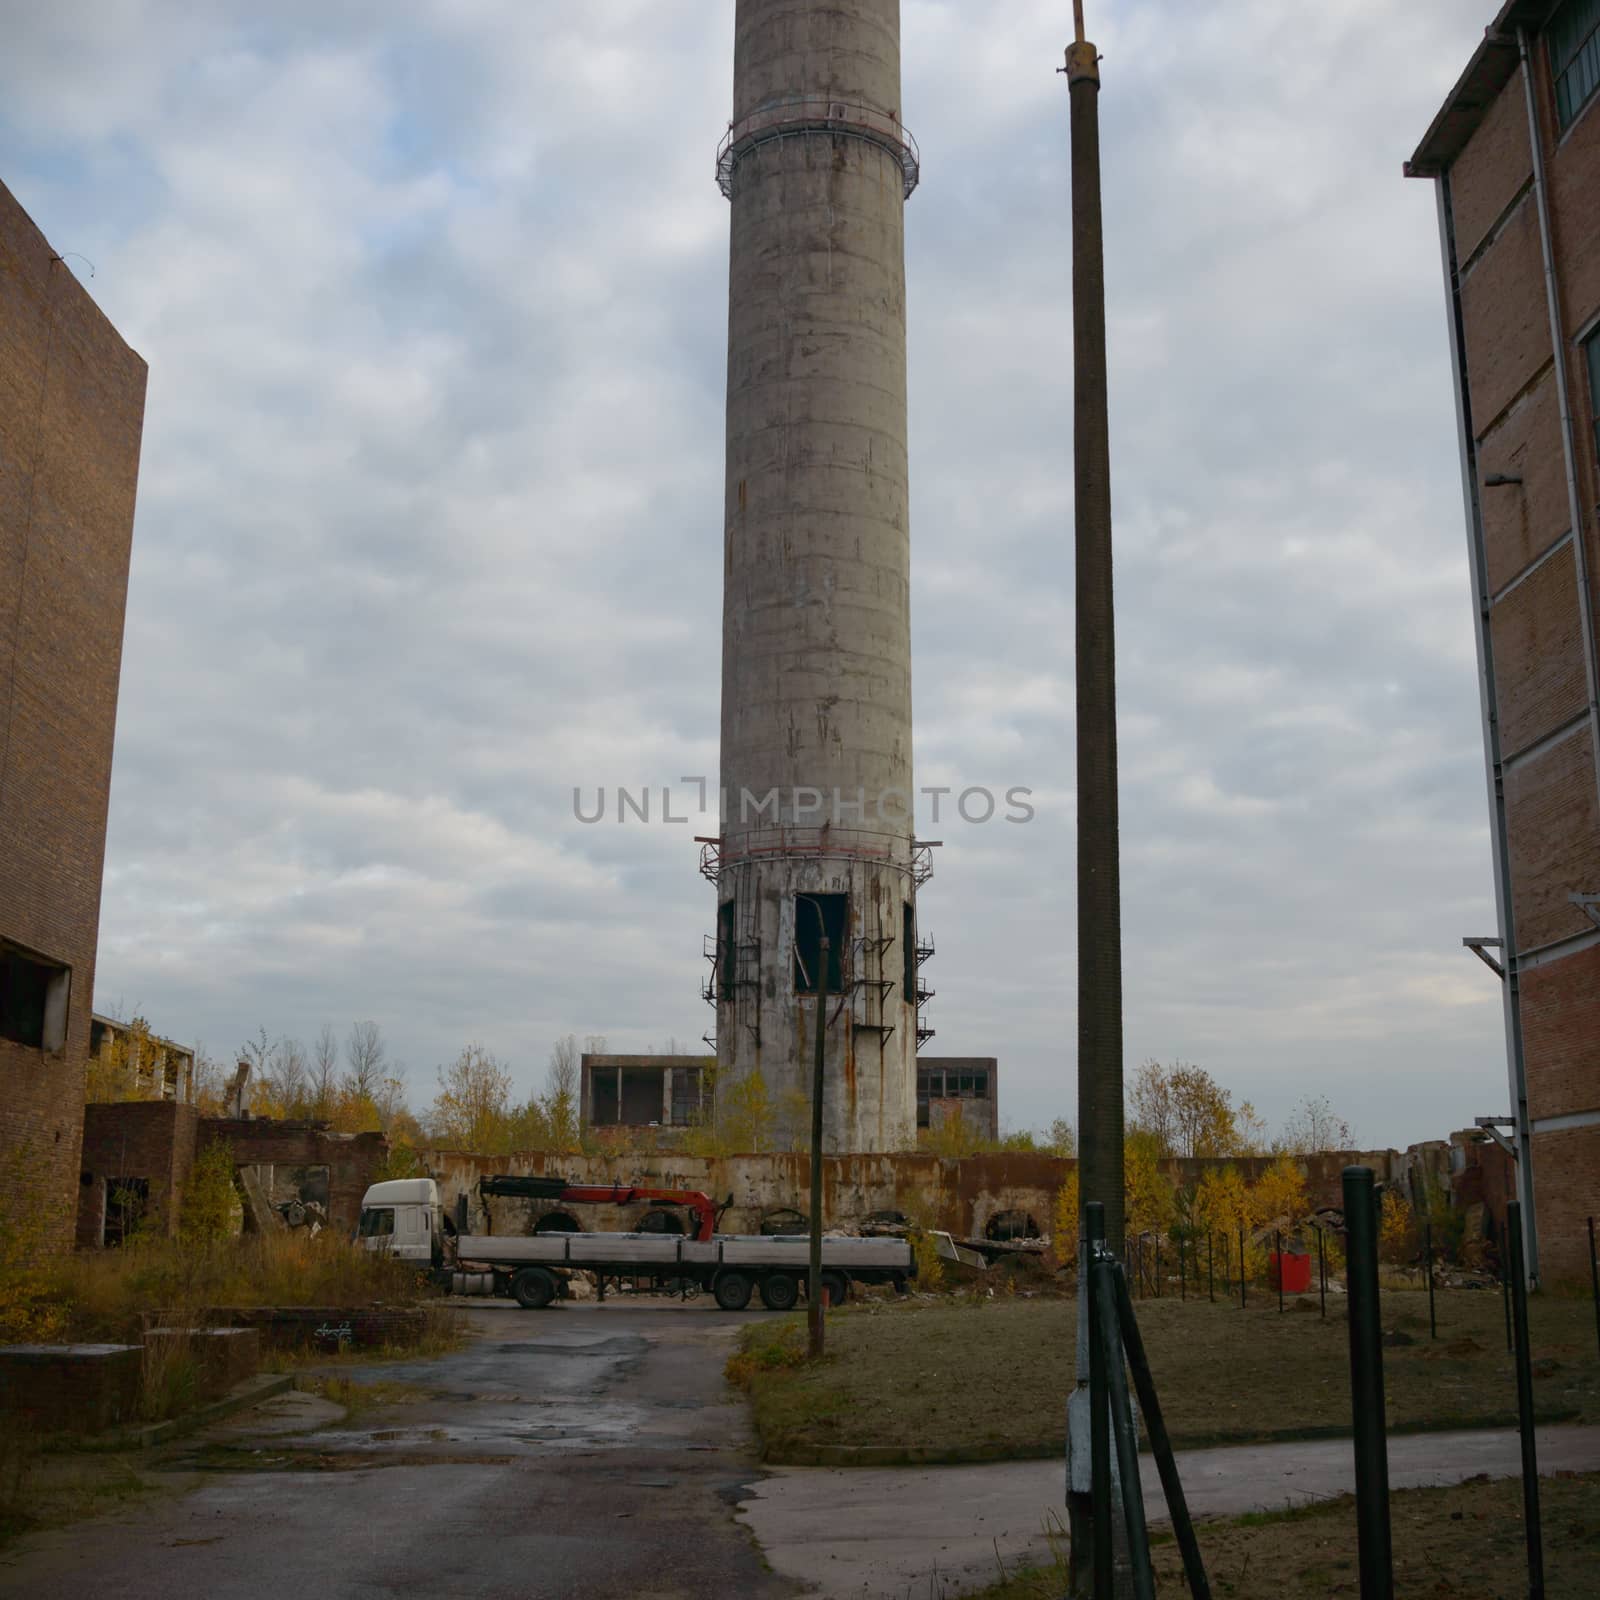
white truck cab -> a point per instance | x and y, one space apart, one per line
402 1218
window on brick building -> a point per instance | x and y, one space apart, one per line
808 932
1573 35
33 999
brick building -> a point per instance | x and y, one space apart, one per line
71 415
1515 158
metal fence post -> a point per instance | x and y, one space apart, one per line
1155 1247
1183 1279
1094 1218
1241 1268
1211 1281
1427 1251
1277 1246
1322 1270
1530 1452
1161 1443
1110 1342
1375 1556
1505 1292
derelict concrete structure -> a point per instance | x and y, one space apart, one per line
817 831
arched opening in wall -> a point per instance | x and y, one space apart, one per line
885 1219
1005 1226
660 1222
557 1222
784 1220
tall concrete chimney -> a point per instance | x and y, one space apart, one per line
816 643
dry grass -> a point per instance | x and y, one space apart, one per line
1465 1540
48 1489
991 1376
106 1293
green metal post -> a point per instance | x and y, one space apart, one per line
1375 1556
1531 1530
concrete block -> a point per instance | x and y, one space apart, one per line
70 1388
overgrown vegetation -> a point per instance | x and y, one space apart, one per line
104 1294
29 1310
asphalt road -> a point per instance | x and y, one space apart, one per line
587 1450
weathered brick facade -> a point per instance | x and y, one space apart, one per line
71 415
148 1141
1520 232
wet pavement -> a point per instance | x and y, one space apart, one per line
587 1450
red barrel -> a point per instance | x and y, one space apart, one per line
1296 1271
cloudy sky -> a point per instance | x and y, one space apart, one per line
434 302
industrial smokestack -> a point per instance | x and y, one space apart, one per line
816 648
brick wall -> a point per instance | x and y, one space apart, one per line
1566 1167
149 1139
1552 804
71 414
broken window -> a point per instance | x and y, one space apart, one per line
127 1200
814 916
908 946
641 1096
727 961
685 1096
33 999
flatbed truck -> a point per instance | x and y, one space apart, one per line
403 1217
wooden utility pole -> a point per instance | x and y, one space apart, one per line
1099 879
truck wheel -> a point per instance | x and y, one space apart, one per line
533 1288
732 1290
837 1287
779 1291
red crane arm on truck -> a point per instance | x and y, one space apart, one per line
705 1209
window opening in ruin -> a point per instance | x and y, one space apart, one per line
603 1096
377 1222
785 1220
33 999
685 1096
1005 1226
127 1200
808 934
727 963
1573 35
557 1222
908 948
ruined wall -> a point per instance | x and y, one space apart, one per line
158 1140
962 1195
353 1160
151 1140
71 415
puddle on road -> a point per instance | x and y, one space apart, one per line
536 1426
